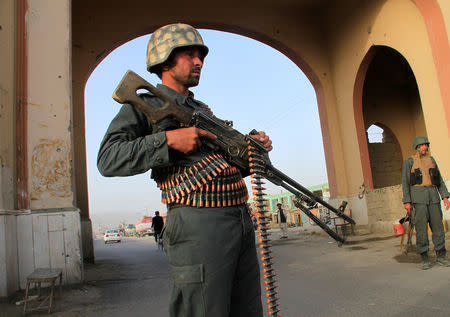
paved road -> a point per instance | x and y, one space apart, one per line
316 278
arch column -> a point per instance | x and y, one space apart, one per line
440 46
49 138
40 223
52 182
48 119
359 119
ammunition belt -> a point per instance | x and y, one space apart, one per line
211 182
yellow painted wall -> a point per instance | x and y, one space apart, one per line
347 41
445 8
409 36
399 25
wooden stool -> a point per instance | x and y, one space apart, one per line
43 276
339 222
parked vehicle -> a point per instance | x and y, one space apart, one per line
130 230
112 236
144 227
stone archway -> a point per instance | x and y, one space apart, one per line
326 39
98 30
390 99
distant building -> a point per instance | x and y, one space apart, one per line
296 217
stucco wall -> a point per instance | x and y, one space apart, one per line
7 42
400 25
444 5
384 206
411 38
49 104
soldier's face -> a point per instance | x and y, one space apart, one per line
187 66
423 149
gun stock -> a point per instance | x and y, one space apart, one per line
126 92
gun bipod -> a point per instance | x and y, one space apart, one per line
279 178
303 195
333 234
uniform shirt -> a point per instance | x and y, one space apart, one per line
421 194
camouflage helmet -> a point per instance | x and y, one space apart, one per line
167 38
418 140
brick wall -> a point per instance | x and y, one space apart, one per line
385 162
384 206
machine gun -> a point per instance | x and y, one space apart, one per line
230 142
242 151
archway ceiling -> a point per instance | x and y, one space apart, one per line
98 27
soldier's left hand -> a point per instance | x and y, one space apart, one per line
264 139
446 203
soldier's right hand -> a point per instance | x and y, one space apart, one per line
187 140
408 207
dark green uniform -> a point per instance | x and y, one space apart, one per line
211 250
427 208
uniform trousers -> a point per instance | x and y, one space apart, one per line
214 265
428 213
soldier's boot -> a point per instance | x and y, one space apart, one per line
441 258
425 261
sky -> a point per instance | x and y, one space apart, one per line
242 80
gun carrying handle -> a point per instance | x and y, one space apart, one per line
126 92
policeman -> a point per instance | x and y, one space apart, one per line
423 186
209 236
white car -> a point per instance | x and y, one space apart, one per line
112 235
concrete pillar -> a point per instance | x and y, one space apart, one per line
7 62
51 176
50 182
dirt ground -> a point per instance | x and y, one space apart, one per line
368 276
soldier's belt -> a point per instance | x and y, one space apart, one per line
211 182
